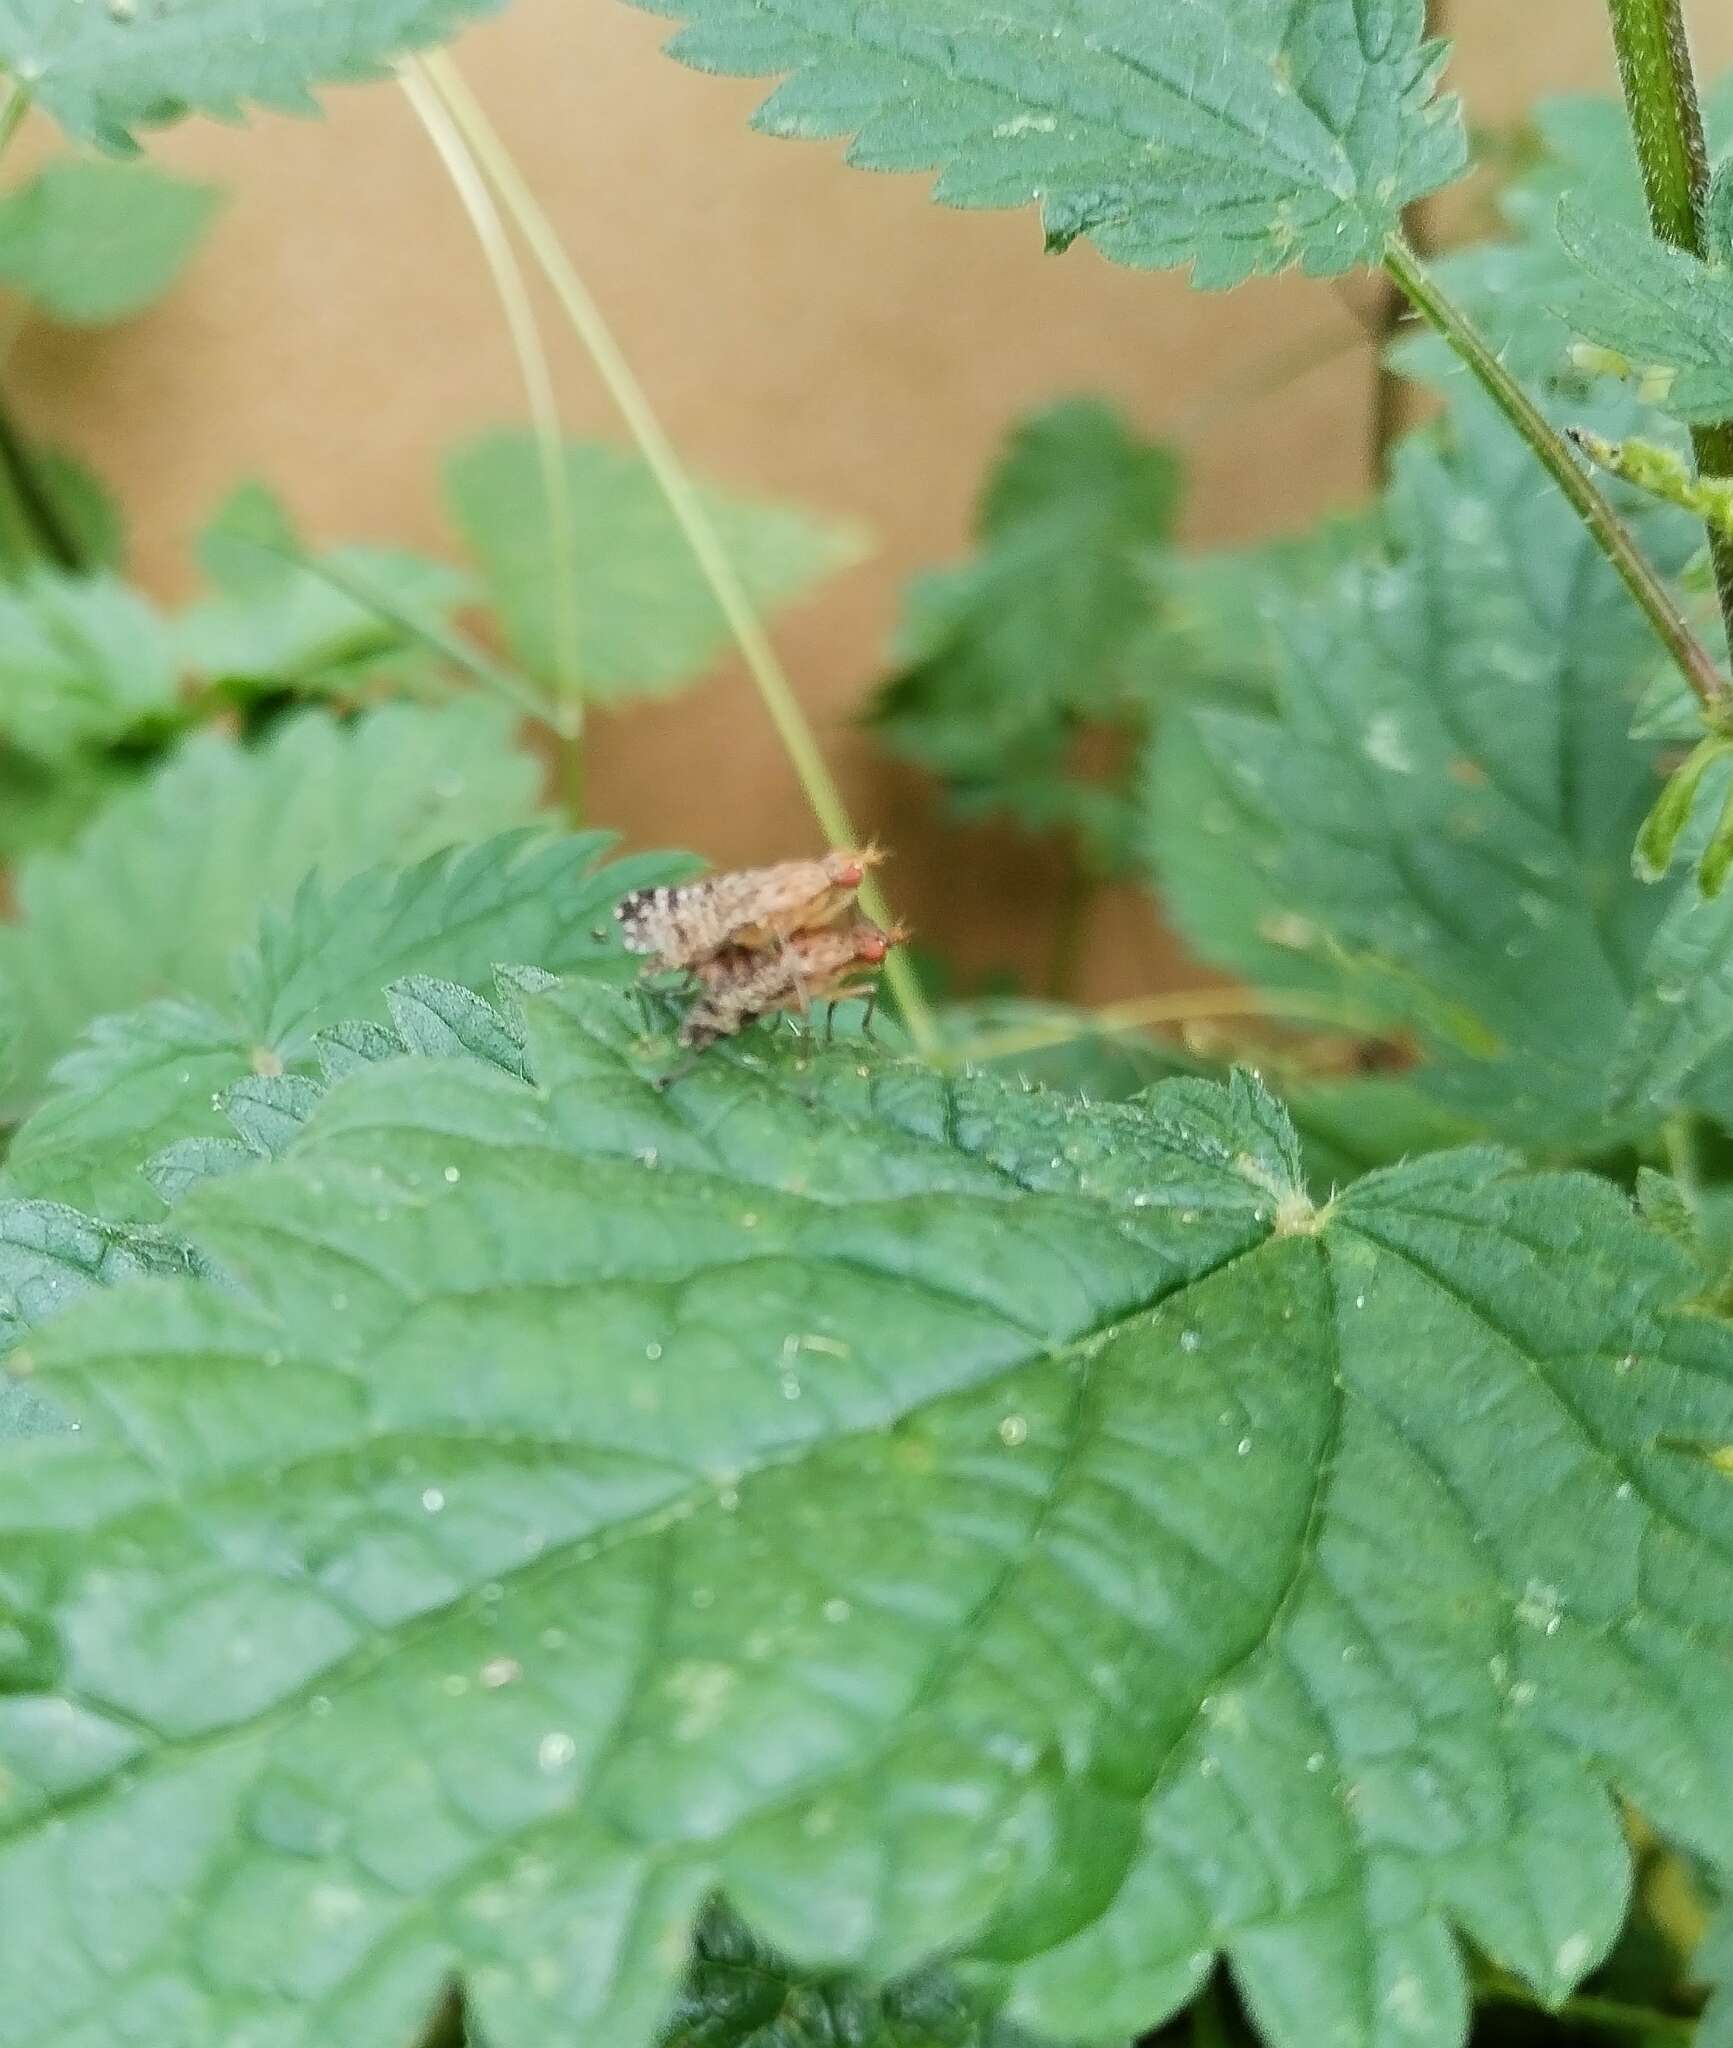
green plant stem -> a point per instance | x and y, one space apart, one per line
1608 530
1149 1013
566 716
1078 890
1666 118
1679 1138
569 777
36 507
49 532
777 693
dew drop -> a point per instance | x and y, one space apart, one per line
555 1751
454 1174
433 1500
1189 1340
1244 1447
498 1671
1013 1430
652 1351
837 1610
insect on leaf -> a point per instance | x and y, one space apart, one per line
174 874
330 956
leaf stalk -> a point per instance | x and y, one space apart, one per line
1605 527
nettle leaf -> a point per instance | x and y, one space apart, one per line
930 1516
1516 288
1667 310
1236 136
174 874
646 621
103 72
150 1093
282 614
1007 660
1435 827
51 1255
95 242
384 944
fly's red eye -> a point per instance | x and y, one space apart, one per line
851 874
875 948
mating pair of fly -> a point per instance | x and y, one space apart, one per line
758 942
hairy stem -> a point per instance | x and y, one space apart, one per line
732 601
1667 128
1550 448
567 715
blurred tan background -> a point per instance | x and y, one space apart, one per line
808 331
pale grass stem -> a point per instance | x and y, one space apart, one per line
566 714
732 601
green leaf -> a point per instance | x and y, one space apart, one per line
150 1079
84 660
1514 288
1236 136
282 615
51 1255
175 874
103 72
1435 826
930 1516
1007 660
95 242
87 508
1667 310
647 623
43 806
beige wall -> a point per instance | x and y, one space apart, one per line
810 331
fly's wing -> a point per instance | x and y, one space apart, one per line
680 927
